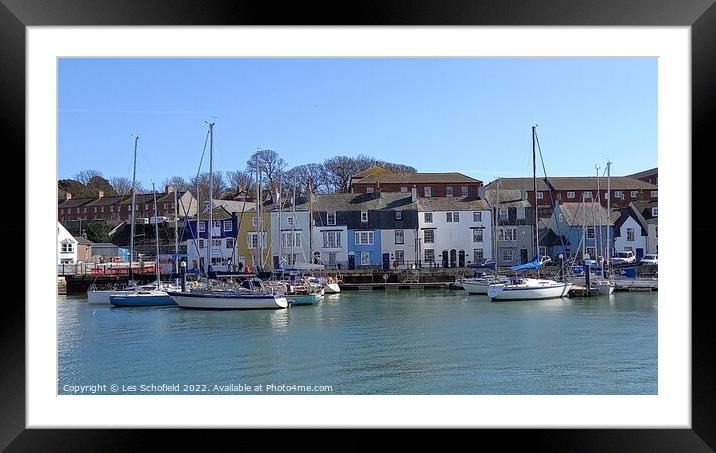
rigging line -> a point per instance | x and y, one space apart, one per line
551 198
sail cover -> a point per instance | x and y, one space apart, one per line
532 265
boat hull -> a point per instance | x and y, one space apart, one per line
478 286
228 301
528 292
157 299
102 297
332 288
304 299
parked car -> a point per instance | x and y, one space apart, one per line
483 263
625 257
650 259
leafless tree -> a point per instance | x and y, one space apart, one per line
178 182
121 185
299 176
241 180
202 181
270 163
85 176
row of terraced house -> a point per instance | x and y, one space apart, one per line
399 220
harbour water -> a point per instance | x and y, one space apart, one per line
439 342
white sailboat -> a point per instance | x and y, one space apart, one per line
479 285
530 288
101 297
240 298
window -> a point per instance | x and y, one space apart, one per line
331 258
85 210
101 209
255 221
201 244
289 220
217 224
630 234
655 212
253 240
540 195
570 195
62 211
111 209
507 255
287 239
216 242
165 206
364 216
400 257
403 189
590 232
455 216
634 193
654 193
398 215
463 191
146 206
429 255
507 234
365 258
229 243
656 231
369 189
592 252
477 254
477 217
94 209
67 247
364 237
520 213
448 191
331 218
399 237
503 213
217 260
227 225
428 191
448 217
561 217
618 194
477 235
542 250
428 217
202 227
429 236
628 249
331 239
587 195
78 210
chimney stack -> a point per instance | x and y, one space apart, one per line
414 194
68 196
100 193
168 189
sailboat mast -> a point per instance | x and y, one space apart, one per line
293 222
597 249
176 232
280 235
211 199
132 209
156 235
609 211
534 190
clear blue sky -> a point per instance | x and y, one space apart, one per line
471 115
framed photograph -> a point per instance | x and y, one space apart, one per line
643 72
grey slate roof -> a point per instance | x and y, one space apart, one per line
354 202
451 204
584 214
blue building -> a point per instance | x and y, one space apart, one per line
223 248
579 228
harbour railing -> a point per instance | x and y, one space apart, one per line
105 269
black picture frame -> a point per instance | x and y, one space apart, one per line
700 15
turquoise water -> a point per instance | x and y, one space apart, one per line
407 342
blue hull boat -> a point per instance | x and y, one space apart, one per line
153 299
304 299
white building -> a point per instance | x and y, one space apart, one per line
66 246
290 241
631 232
453 232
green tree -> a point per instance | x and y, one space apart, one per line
97 232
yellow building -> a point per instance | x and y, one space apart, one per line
247 242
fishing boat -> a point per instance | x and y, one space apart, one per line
150 298
530 288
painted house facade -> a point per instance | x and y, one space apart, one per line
223 250
454 232
636 228
66 246
583 228
289 230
